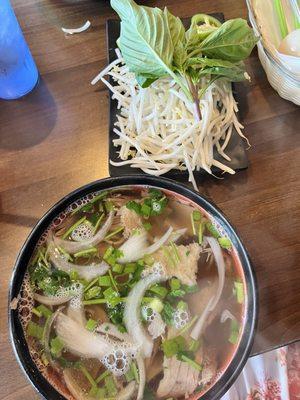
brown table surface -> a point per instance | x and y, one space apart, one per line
55 140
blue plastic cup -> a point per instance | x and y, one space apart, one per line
18 72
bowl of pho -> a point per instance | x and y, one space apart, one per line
132 288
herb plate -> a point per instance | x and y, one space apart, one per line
236 148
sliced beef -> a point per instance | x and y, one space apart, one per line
130 220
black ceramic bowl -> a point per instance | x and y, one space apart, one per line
16 332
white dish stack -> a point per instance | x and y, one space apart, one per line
283 71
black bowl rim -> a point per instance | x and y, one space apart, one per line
17 338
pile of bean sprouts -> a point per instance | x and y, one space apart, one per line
157 129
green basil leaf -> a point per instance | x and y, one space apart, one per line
144 81
209 62
232 41
177 33
234 74
145 40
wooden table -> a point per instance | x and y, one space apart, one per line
55 140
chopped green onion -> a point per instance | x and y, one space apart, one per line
56 346
191 362
189 324
169 256
88 376
110 293
173 346
98 222
193 224
43 258
239 292
102 376
114 233
190 288
110 386
113 281
45 311
159 290
92 283
200 232
87 252
147 226
108 252
135 372
145 210
36 312
74 226
73 275
63 251
112 301
156 305
130 268
44 359
118 268
194 345
174 284
104 280
109 206
234 331
182 305
175 252
129 375
91 325
224 242
148 259
196 215
35 330
210 227
92 293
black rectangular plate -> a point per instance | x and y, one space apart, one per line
235 149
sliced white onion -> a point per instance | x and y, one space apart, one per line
177 234
142 377
132 318
136 246
46 335
87 272
84 343
52 300
73 247
226 314
160 242
76 312
82 28
217 252
133 248
127 392
110 329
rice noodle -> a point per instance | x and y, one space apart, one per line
226 314
217 252
156 127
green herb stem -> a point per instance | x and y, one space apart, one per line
82 253
74 226
114 233
98 222
192 363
